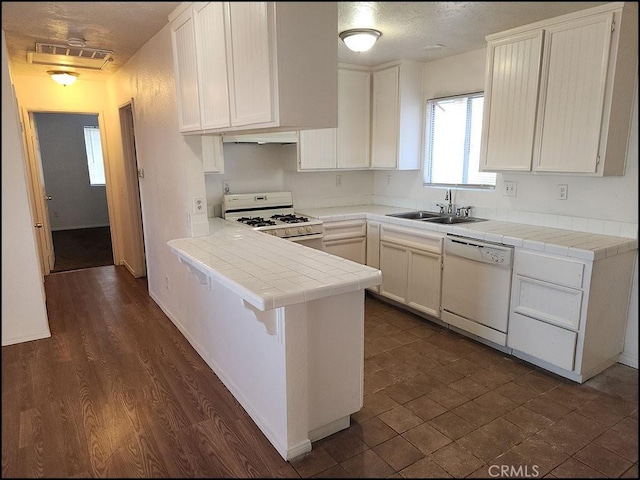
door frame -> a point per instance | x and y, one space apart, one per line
132 173
37 187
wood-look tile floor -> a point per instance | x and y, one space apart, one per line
118 392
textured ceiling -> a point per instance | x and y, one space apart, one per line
407 27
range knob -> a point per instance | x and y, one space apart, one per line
300 229
309 228
287 231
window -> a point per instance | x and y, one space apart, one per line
452 152
94 155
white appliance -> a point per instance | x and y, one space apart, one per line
476 287
273 214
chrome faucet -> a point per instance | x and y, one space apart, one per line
448 197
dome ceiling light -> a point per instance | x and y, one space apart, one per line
360 39
63 78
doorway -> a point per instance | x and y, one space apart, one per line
73 175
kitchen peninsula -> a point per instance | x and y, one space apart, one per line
283 329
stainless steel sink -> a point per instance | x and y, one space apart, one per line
449 220
417 215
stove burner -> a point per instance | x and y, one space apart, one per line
291 218
256 221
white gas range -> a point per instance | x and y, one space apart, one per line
273 213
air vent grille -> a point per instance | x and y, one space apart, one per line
66 56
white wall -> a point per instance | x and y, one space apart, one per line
24 313
172 163
252 168
75 203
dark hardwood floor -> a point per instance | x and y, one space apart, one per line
117 391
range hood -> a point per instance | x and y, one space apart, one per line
276 137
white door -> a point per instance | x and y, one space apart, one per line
39 197
134 256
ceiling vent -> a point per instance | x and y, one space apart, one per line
67 56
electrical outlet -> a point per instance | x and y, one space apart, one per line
166 282
225 187
338 180
199 205
388 179
563 191
510 189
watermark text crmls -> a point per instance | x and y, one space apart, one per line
511 471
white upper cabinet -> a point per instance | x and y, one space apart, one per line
317 149
255 66
559 93
212 64
354 117
396 125
184 59
510 101
345 147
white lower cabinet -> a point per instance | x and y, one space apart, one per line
411 265
569 315
346 239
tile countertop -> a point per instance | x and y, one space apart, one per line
269 272
570 243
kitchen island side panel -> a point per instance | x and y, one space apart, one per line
297 370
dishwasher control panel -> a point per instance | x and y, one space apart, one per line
491 255
479 251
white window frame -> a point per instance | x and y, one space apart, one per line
428 147
95 159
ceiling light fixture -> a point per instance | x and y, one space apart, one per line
360 39
77 42
63 78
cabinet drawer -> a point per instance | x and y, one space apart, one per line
549 269
412 238
546 301
344 229
541 340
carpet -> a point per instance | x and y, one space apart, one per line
82 248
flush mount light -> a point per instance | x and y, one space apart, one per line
360 39
77 42
63 78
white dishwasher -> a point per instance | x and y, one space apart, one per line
476 287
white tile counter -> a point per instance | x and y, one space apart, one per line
570 243
270 272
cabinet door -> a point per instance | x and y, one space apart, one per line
212 154
209 23
354 100
393 263
510 101
424 282
317 149
384 126
572 92
186 72
250 62
354 249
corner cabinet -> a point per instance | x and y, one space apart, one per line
346 239
396 117
558 93
255 66
345 147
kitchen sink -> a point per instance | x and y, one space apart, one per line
449 220
418 215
